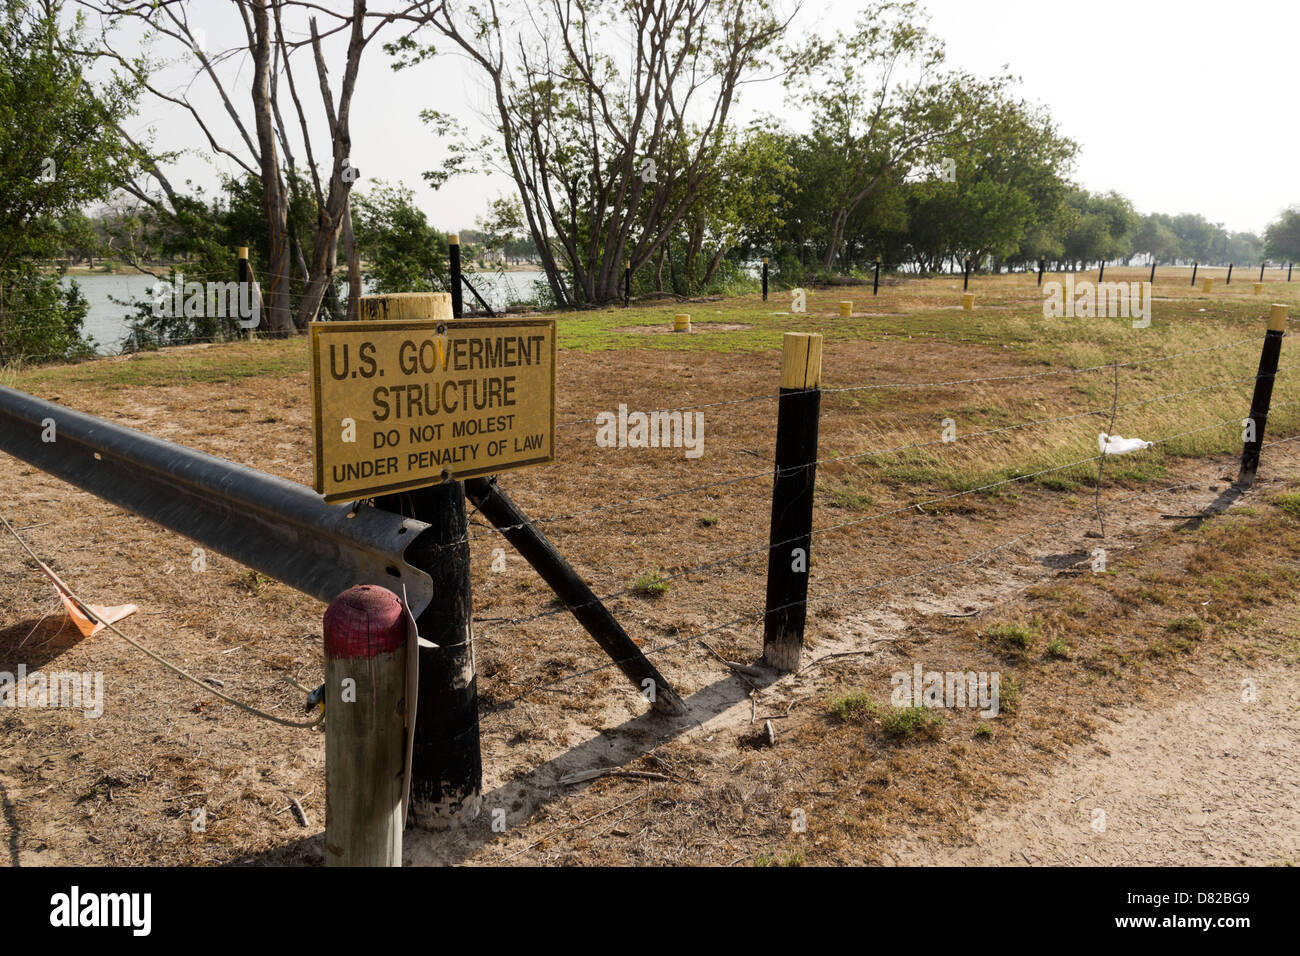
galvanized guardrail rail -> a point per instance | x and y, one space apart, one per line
275 526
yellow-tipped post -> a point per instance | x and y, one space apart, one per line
968 301
789 554
681 322
846 310
1277 318
1259 288
1207 285
245 273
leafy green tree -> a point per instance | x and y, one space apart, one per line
1156 238
504 231
1245 247
1198 238
59 150
1101 228
1282 237
400 251
740 199
999 187
881 101
583 131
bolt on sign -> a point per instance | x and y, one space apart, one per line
403 404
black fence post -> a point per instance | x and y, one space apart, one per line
1042 264
764 278
1261 270
1228 281
875 283
1194 267
1152 280
453 260
1101 270
1288 271
795 477
1268 358
245 278
965 282
446 760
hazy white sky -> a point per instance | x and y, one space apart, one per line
1182 105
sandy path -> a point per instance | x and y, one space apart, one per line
1209 780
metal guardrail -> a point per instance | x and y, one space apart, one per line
275 526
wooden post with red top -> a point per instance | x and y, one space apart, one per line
365 727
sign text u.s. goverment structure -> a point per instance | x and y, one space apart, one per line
400 405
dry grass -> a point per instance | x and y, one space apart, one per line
121 789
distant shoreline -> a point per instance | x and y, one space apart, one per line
122 269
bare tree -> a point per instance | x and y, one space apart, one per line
606 159
261 144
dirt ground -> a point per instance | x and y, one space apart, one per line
1202 780
1119 704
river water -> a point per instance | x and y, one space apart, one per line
107 321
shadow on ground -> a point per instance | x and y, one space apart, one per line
521 798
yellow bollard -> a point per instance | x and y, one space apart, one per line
405 305
1277 318
1206 285
682 323
1259 288
968 301
846 310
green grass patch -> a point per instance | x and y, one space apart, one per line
1009 689
223 362
842 496
1191 627
1289 502
651 584
909 721
1015 635
853 707
773 858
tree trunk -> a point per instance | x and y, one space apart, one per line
713 265
279 318
354 264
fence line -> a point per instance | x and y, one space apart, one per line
886 451
842 593
965 381
765 547
1062 371
851 591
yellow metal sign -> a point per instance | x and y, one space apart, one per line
398 405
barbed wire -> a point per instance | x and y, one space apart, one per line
767 547
770 474
941 384
1033 375
836 596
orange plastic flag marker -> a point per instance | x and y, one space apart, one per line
85 625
